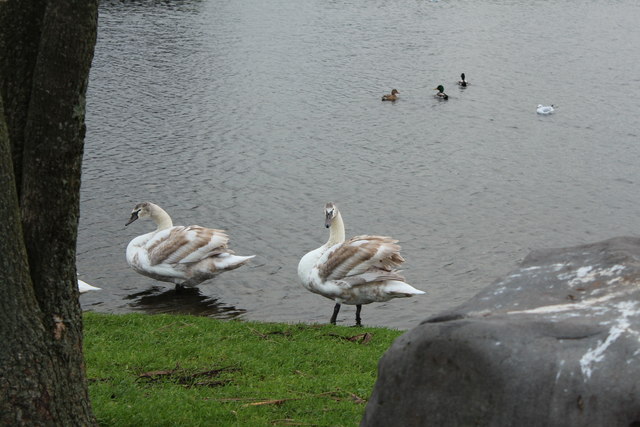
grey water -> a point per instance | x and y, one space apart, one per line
249 116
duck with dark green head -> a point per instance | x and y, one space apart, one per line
441 94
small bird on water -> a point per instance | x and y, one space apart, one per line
545 109
462 81
441 94
391 97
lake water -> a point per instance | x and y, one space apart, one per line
250 115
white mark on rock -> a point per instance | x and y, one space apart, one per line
619 327
551 267
588 274
591 304
559 370
500 290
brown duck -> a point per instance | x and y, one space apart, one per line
391 97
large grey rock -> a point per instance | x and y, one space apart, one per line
554 343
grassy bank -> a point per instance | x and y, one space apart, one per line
181 370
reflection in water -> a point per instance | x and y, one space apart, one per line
249 116
157 300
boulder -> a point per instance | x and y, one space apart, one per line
554 343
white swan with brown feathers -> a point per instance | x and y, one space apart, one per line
358 271
186 256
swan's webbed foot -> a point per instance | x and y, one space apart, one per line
179 287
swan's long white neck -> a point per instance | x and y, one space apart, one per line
161 218
336 231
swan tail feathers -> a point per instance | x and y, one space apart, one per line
229 261
402 289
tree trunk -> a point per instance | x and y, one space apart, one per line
20 28
42 379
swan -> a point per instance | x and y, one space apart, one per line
358 271
186 256
392 97
545 109
84 287
462 81
441 94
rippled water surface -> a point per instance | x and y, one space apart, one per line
250 115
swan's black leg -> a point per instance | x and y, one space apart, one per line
358 319
336 309
179 287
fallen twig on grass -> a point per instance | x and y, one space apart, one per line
360 338
357 399
160 373
290 422
266 336
189 379
260 334
333 394
272 402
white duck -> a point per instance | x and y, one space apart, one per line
186 256
84 287
358 271
545 109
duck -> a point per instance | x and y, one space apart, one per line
391 97
462 81
84 287
441 94
185 256
358 271
545 109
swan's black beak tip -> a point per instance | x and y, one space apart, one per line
134 216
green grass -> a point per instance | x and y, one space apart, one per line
165 370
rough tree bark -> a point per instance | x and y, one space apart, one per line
46 48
